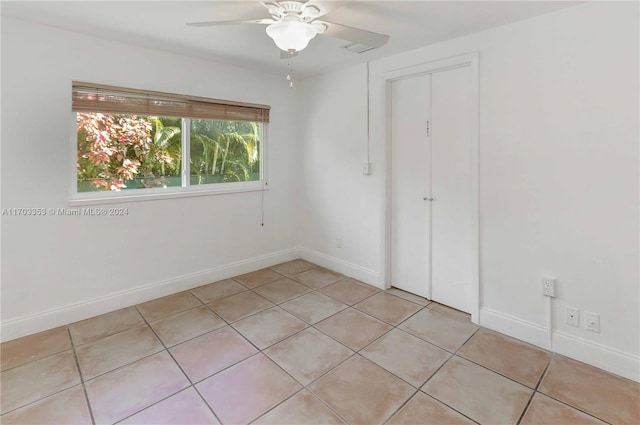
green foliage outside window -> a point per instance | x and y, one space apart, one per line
118 152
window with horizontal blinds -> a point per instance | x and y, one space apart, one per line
89 97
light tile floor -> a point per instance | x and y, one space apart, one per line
298 344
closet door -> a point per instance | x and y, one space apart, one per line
451 252
410 184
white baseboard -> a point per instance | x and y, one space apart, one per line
341 266
26 325
607 358
526 331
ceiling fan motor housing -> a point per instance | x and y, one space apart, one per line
300 10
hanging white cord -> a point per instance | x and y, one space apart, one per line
264 183
368 138
263 165
550 322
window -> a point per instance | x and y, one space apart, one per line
132 142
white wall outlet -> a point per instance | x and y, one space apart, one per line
339 242
592 321
366 170
572 316
549 286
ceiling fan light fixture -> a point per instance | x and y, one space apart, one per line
291 35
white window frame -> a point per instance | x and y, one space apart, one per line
186 190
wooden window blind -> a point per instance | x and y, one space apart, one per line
89 97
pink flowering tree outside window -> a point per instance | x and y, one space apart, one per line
115 150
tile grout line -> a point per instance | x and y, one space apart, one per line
306 387
191 384
262 351
560 401
402 405
205 403
115 333
72 349
453 354
39 358
535 390
358 352
440 401
84 387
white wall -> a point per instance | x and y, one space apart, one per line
336 199
59 269
558 175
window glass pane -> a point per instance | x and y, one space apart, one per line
120 152
224 151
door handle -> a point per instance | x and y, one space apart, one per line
427 198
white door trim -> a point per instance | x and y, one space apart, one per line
380 131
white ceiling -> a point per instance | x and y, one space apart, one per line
161 25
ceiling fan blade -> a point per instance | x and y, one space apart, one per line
313 10
217 23
274 8
355 35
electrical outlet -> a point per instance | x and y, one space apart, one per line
572 316
592 321
339 242
549 286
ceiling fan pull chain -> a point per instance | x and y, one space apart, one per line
290 74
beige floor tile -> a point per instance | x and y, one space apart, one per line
544 410
507 356
125 391
117 350
308 355
32 347
98 327
239 306
281 290
313 307
408 296
245 391
318 278
362 392
450 312
268 327
38 379
302 408
257 278
167 306
186 325
438 329
215 291
478 393
294 267
66 407
388 308
207 354
184 408
349 291
422 409
611 398
406 356
353 328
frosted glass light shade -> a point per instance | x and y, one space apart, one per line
291 35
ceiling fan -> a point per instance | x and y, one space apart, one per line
294 23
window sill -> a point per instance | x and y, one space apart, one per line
90 198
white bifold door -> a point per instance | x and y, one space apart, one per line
431 252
